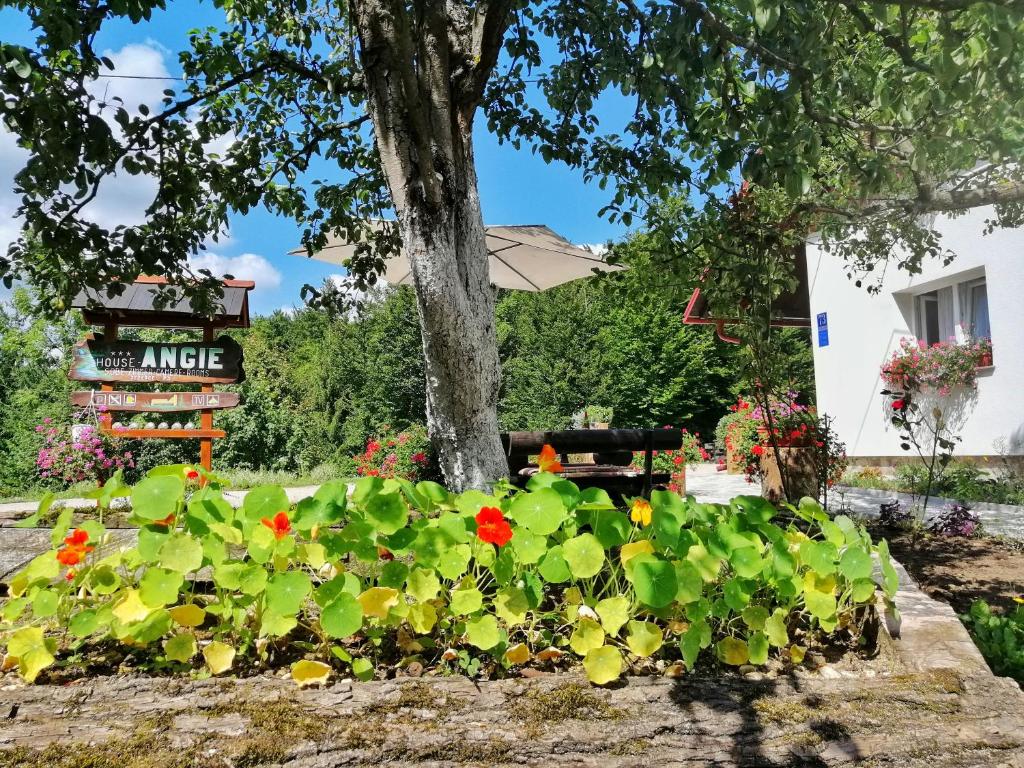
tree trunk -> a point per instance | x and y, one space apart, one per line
424 75
448 254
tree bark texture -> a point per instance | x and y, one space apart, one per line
424 71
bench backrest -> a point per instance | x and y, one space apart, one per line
520 444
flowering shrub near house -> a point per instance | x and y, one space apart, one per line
390 455
674 462
940 368
85 453
361 583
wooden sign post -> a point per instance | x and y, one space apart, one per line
108 360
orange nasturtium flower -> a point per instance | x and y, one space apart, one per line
492 527
75 548
548 460
279 525
640 512
165 522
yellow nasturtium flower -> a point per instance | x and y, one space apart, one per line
640 512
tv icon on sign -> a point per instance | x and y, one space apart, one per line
113 399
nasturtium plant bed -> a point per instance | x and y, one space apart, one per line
392 575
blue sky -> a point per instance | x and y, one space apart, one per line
516 187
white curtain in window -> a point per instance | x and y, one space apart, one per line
963 291
947 320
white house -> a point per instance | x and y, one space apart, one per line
855 332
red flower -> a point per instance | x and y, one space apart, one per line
548 460
166 521
492 527
75 548
418 458
757 450
897 405
384 554
70 575
192 475
280 525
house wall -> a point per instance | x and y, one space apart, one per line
864 329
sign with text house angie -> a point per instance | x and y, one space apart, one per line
216 362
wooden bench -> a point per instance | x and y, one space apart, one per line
613 456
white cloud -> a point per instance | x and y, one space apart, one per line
246 266
140 60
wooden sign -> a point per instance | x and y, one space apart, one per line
156 401
215 362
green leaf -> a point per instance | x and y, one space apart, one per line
84 623
757 645
542 512
603 665
182 553
528 547
855 564
732 651
483 632
890 579
584 556
644 638
453 561
286 592
362 668
423 584
654 580
511 605
775 629
466 600
181 647
422 617
587 636
160 587
820 605
33 651
154 498
707 564
265 501
32 520
553 567
755 616
747 562
820 556
695 638
690 583
611 528
343 617
388 512
614 613
735 594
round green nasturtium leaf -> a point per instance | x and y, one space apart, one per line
732 651
452 562
690 584
387 512
735 594
775 629
755 616
856 564
150 629
180 647
611 527
782 564
483 632
104 580
584 556
614 613
423 584
644 638
393 574
541 512
265 501
286 592
511 605
465 601
833 533
261 544
757 647
154 498
45 603
160 587
820 556
603 665
654 581
587 636
528 547
362 668
754 509
695 638
422 617
504 566
553 567
275 625
707 564
863 590
252 579
181 553
747 562
33 651
84 623
820 605
343 617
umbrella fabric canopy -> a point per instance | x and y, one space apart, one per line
525 257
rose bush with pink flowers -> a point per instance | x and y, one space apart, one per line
389 454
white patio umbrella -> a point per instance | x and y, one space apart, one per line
527 257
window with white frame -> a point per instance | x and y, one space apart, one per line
955 313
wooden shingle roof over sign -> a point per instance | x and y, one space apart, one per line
136 306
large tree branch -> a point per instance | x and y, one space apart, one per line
933 200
